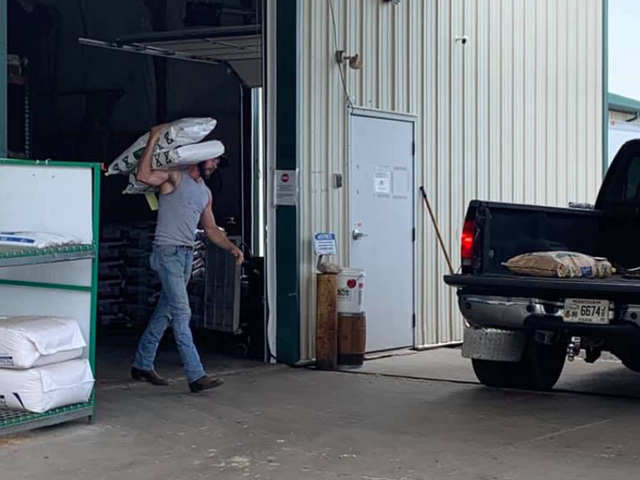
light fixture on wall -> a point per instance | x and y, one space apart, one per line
354 61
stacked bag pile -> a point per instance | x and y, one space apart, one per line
42 364
179 146
129 288
141 285
197 284
111 281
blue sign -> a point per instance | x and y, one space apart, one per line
325 244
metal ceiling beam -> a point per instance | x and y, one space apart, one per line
192 34
231 47
150 51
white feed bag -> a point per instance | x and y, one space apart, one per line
187 155
180 132
36 239
174 159
45 388
135 186
27 342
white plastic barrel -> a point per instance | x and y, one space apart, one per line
351 290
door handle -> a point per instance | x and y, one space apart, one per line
357 234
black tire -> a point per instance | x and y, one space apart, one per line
241 350
542 365
539 369
496 374
628 355
630 360
632 365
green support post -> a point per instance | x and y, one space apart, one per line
287 225
4 149
97 177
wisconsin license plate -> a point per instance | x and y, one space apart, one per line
577 310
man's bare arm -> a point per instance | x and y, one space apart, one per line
214 234
146 174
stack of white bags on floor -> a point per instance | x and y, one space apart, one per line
42 365
178 147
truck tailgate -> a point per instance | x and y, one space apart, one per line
614 288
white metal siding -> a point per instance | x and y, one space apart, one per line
514 115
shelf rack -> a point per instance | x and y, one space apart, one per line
57 197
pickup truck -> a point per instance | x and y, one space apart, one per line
520 330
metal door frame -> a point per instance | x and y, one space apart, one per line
396 117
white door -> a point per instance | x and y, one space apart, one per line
382 226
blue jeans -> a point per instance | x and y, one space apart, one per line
173 266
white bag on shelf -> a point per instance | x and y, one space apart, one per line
36 239
180 132
41 389
27 342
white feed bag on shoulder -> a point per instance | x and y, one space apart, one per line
41 389
187 155
27 342
178 133
135 186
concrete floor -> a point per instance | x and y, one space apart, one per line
283 424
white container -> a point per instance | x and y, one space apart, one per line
42 389
351 290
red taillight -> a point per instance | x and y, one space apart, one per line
468 239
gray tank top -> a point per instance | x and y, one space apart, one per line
179 213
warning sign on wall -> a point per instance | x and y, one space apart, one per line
286 187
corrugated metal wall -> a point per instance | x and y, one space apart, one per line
513 115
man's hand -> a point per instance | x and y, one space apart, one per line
238 255
156 132
216 235
145 173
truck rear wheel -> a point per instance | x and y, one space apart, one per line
496 374
539 369
628 355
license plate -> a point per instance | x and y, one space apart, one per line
586 311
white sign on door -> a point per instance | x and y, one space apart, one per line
383 181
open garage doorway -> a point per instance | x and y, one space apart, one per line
87 79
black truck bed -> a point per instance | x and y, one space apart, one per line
616 287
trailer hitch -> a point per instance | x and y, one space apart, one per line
573 349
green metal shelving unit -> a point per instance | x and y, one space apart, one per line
14 421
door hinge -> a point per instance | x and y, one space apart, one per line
413 320
413 234
413 148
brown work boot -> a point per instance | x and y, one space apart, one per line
205 383
148 376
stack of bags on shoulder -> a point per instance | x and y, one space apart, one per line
42 364
180 145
